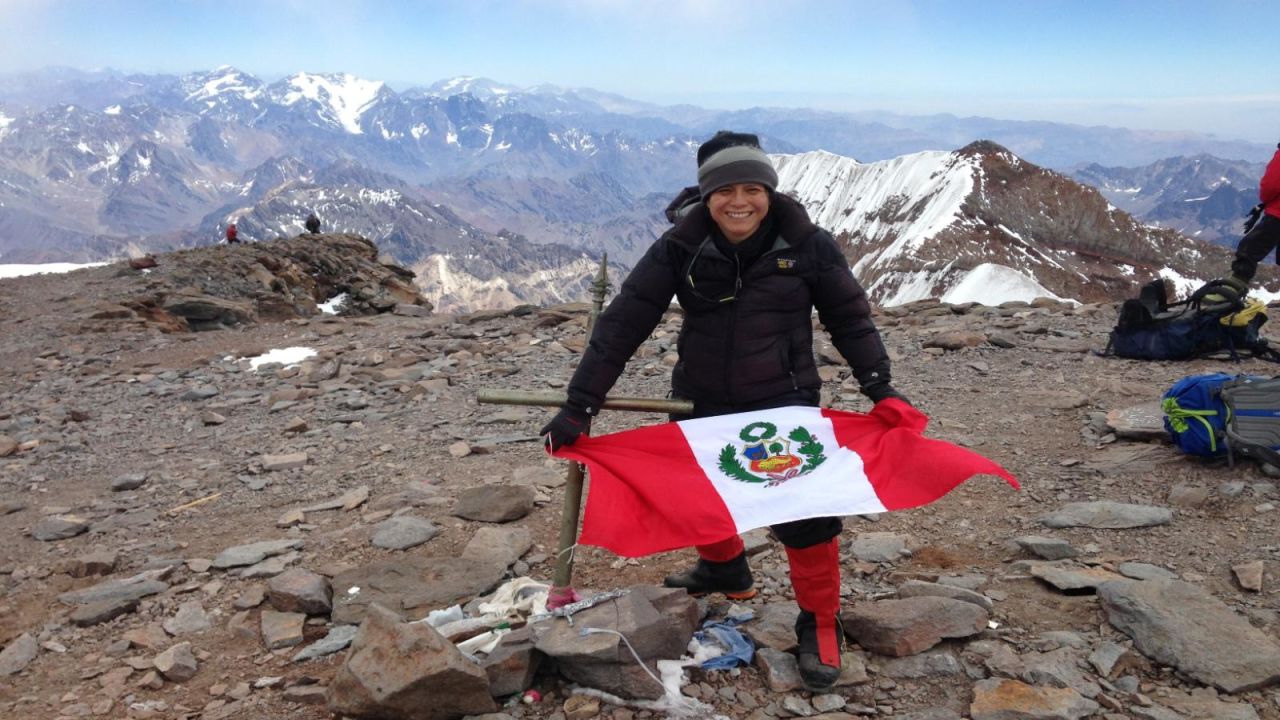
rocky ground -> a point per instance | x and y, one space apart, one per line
136 465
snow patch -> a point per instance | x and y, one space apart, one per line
21 270
284 356
333 305
229 82
346 96
113 110
991 284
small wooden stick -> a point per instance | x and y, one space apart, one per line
194 503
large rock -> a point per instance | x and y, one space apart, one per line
402 671
190 618
253 553
177 663
18 654
411 586
1006 699
920 588
402 532
281 629
206 312
495 503
339 637
102 562
512 664
499 545
912 625
133 588
59 527
1182 625
300 591
659 622
1069 577
1107 515
103 611
879 546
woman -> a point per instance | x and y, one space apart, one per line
748 268
1263 237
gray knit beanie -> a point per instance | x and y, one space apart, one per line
729 158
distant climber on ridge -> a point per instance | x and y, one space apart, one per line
232 236
313 224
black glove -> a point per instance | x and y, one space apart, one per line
565 427
881 391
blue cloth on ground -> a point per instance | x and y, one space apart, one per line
738 649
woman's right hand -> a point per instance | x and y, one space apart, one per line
565 428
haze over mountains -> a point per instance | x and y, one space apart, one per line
501 195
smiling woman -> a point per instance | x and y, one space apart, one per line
749 268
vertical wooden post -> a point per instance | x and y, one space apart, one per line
574 477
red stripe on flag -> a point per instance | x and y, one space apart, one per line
905 468
647 493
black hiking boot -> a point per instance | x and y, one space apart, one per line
732 578
816 675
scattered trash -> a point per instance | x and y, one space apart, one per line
737 649
484 643
517 599
531 696
567 611
438 618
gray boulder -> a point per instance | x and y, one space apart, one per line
399 671
659 622
495 503
411 586
906 627
1182 625
300 591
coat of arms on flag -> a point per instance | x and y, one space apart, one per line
769 457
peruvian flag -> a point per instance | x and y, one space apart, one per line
700 481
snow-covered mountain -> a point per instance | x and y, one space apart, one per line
1199 196
981 224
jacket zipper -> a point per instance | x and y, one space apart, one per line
733 323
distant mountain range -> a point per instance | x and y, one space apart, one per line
1199 196
503 194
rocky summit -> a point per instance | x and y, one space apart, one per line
194 530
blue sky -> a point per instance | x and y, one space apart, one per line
1165 65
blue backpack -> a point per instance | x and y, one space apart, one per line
1218 415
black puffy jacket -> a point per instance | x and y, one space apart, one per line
757 346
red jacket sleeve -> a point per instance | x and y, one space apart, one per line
1269 188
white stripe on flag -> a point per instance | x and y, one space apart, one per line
838 486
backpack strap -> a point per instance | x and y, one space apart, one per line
1251 449
1232 299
